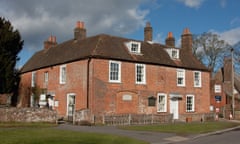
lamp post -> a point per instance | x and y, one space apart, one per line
233 98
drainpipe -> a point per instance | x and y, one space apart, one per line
88 78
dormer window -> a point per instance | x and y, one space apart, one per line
173 53
134 47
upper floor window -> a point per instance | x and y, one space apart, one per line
140 74
197 79
173 53
134 47
114 71
180 77
162 103
33 81
63 74
190 104
45 77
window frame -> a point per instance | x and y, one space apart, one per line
142 75
33 79
63 74
197 83
176 56
111 72
134 50
181 73
165 102
46 76
190 107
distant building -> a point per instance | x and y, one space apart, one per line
113 75
221 89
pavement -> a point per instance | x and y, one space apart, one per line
151 137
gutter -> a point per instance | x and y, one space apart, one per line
88 83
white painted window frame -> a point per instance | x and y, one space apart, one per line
159 104
197 81
143 74
119 72
193 103
181 73
63 74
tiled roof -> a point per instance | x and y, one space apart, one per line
108 47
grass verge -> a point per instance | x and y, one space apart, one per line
184 128
23 133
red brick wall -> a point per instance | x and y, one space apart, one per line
75 83
107 98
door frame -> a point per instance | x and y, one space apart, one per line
174 107
70 117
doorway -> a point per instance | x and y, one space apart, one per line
70 106
174 108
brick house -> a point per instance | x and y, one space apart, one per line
113 75
222 89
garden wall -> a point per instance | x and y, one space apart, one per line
27 115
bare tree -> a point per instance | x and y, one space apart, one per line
210 50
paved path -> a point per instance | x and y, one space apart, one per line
151 137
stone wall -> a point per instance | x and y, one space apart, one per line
27 115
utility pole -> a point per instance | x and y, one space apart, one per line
233 98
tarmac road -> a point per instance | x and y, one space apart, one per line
151 137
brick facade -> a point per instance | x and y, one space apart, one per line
107 98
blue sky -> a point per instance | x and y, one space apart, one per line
38 19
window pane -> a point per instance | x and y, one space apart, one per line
189 103
114 71
161 103
140 73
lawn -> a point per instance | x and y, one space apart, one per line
184 128
45 134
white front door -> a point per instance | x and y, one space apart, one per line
174 108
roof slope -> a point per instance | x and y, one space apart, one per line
108 47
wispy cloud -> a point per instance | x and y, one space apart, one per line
192 3
231 36
223 3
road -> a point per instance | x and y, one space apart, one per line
229 137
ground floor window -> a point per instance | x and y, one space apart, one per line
190 103
162 102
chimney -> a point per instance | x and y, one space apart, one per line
50 42
79 31
148 32
187 40
170 40
228 71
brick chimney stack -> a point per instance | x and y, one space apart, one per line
80 31
170 40
187 40
50 42
148 32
